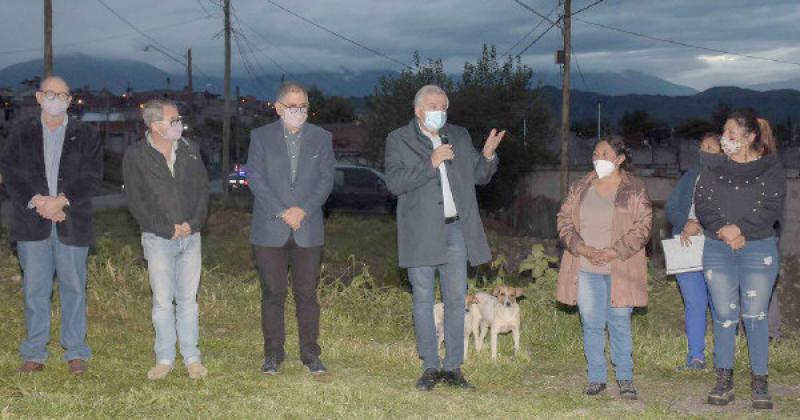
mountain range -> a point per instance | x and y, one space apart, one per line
119 74
616 92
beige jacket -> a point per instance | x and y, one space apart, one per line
630 230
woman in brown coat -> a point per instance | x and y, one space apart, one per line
604 225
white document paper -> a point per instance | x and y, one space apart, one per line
683 259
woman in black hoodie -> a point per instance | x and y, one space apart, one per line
739 202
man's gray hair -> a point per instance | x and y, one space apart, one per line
290 86
428 90
153 110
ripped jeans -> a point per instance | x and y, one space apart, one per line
741 280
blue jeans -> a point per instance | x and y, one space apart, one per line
695 302
453 283
174 268
741 279
40 260
594 304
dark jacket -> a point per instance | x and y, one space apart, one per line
79 177
157 199
421 229
680 201
270 180
748 195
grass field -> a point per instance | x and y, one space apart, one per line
367 340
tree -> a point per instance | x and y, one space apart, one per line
720 115
695 128
636 125
330 109
493 95
392 105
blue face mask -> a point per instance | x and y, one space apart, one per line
434 120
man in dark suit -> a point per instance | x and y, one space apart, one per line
433 168
53 167
290 170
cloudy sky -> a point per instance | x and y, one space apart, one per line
454 30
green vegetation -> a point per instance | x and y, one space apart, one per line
367 339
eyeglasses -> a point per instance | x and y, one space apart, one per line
49 94
175 122
296 109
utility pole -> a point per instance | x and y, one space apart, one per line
48 38
599 104
189 86
565 126
226 110
236 134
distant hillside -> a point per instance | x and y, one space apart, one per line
117 75
783 84
775 105
614 84
82 70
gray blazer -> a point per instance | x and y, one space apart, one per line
421 230
269 179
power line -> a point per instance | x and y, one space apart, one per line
582 9
578 65
105 38
511 48
338 35
685 44
249 45
142 33
552 25
271 44
536 12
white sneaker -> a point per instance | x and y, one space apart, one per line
160 371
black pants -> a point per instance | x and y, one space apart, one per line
273 267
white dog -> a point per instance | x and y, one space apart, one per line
472 319
500 313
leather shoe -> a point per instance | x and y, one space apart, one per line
78 366
428 380
30 367
271 365
456 378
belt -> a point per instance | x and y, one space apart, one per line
449 220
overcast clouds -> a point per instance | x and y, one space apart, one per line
451 29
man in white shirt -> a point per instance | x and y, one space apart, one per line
433 168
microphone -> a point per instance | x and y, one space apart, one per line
445 140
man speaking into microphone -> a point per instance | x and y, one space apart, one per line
432 167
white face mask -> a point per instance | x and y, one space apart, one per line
729 147
435 120
604 168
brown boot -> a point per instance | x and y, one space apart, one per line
30 367
78 366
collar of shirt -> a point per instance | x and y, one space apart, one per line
431 137
292 136
171 162
63 124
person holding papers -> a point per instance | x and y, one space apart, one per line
680 211
739 203
604 225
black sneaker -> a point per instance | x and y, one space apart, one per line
271 366
627 391
722 393
428 380
315 366
760 393
456 378
594 389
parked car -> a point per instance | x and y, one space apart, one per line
237 178
360 188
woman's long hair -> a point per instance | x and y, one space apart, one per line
764 142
